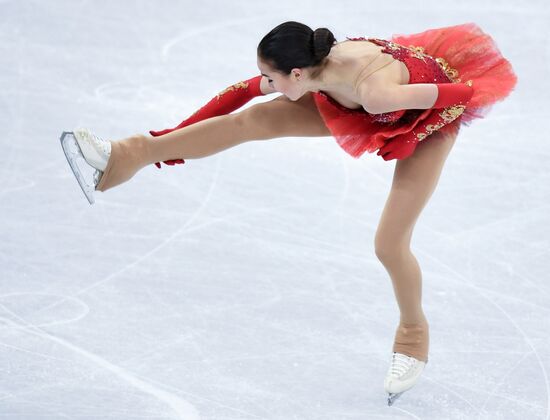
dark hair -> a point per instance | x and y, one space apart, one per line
293 44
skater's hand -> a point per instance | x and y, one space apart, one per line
400 147
170 162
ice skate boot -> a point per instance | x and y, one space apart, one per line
86 153
402 375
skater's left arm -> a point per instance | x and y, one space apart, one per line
386 97
228 100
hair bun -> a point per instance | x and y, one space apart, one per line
293 44
322 41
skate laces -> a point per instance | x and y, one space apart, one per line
100 144
103 144
400 364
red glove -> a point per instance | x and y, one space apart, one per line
453 94
223 103
402 146
399 147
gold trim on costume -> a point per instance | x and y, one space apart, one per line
449 71
239 85
417 52
448 115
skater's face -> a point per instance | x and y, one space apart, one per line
291 85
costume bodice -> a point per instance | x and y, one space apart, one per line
422 69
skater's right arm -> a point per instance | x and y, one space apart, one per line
386 97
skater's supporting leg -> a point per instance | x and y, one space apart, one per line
415 179
279 117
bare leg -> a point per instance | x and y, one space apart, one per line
279 117
415 179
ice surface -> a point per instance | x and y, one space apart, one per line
245 285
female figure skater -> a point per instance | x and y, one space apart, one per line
405 98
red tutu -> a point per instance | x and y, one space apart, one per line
444 55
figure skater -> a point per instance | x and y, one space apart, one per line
405 98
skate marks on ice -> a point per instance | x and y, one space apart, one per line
76 308
184 409
187 227
485 294
184 228
206 30
407 412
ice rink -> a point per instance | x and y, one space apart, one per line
244 285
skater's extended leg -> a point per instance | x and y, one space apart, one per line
415 179
279 117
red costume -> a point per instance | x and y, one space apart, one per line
451 54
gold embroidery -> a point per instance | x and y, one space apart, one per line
451 113
448 115
240 85
419 49
449 71
417 52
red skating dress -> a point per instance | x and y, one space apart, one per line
451 54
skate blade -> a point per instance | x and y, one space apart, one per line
393 397
83 172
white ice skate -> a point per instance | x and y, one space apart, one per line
86 153
402 375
